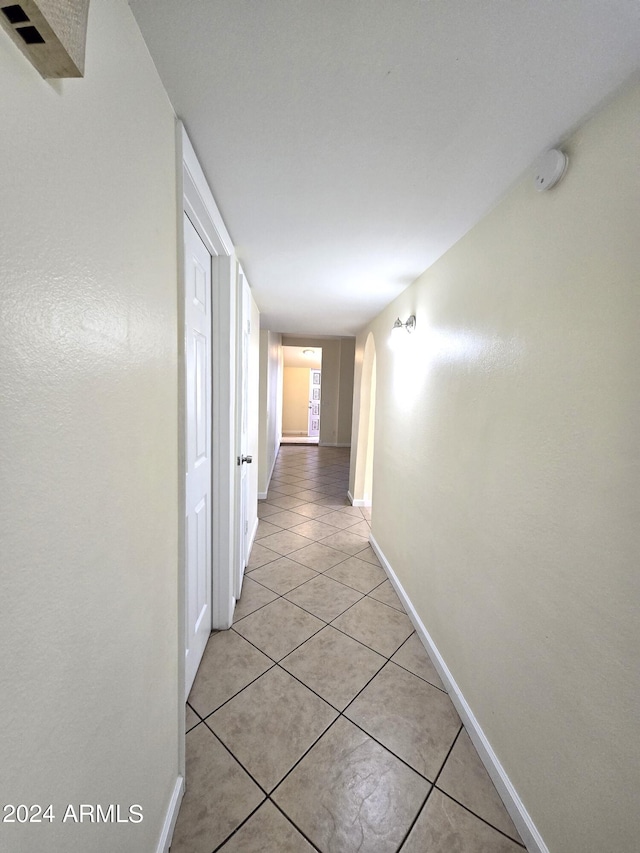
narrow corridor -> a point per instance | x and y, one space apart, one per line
318 721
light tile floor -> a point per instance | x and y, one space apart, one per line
318 721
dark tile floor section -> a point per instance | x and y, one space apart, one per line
318 721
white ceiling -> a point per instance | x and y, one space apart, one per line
294 357
350 143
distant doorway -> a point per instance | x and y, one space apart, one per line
301 395
315 384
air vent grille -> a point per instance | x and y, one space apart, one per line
51 33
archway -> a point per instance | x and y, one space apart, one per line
363 485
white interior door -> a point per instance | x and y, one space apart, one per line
244 459
198 297
314 403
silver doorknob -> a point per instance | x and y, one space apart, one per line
247 459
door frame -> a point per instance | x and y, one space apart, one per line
196 640
243 327
194 198
310 415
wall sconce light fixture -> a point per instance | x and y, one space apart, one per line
409 325
398 328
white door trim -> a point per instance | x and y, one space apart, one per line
194 198
243 332
199 480
203 210
224 461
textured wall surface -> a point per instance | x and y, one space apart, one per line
345 410
89 442
506 479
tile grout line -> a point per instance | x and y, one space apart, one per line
415 673
240 825
248 684
330 577
311 542
305 753
304 642
366 733
415 820
237 760
339 713
289 556
294 824
330 623
342 713
282 594
479 817
430 791
326 625
435 786
295 648
322 734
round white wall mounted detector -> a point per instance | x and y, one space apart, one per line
550 169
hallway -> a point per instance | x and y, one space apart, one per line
318 717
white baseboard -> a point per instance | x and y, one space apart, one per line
171 816
333 444
253 534
513 804
355 502
262 496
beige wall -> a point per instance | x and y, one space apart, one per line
295 401
88 463
506 480
270 424
345 392
337 386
